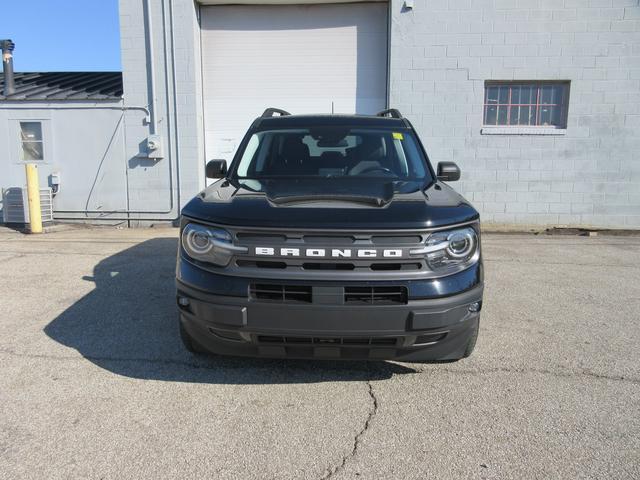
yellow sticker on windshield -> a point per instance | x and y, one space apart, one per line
398 136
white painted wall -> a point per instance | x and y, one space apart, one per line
85 145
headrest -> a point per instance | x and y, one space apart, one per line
294 149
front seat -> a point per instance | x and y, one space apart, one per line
293 158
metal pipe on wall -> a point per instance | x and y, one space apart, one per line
151 66
175 101
7 66
20 105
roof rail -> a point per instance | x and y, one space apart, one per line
390 112
270 111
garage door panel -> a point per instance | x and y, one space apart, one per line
250 18
304 59
316 87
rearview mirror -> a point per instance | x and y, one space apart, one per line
448 172
216 168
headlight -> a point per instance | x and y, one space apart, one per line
450 250
208 244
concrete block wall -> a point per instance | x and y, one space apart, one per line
159 188
443 51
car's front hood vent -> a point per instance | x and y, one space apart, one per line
303 191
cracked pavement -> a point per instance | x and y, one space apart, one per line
94 382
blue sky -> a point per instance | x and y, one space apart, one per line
58 35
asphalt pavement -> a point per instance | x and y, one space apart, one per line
94 382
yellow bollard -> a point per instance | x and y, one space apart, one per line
33 194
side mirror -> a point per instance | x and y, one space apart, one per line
448 172
216 168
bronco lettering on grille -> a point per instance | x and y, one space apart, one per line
329 252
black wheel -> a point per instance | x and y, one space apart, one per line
471 345
189 343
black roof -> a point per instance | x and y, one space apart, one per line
65 86
303 121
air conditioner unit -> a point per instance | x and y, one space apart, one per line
15 205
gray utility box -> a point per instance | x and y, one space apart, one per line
15 205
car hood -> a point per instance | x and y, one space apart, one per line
377 204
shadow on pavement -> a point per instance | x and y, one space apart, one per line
129 325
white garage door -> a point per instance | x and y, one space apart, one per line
302 58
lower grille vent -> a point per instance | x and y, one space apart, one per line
430 338
395 266
280 293
328 266
330 341
260 264
375 295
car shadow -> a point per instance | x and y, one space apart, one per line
129 325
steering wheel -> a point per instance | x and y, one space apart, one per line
379 169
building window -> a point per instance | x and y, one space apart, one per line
31 141
536 104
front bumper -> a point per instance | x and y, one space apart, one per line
420 330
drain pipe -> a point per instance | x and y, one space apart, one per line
152 68
175 104
7 66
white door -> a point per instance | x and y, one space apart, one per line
301 58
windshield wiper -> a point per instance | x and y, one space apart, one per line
375 201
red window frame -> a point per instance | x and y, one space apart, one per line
562 104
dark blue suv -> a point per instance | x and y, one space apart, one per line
330 236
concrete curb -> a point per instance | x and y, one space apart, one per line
556 230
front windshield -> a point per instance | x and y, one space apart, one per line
332 152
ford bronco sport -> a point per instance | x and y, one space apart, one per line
330 236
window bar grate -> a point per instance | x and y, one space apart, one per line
556 105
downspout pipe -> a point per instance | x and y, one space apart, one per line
7 66
174 76
152 68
